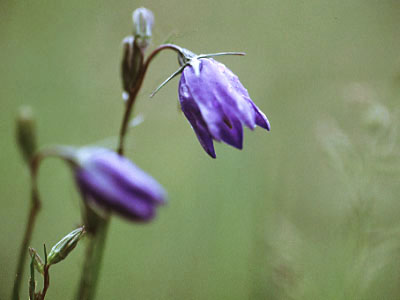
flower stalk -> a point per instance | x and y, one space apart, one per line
26 138
109 183
35 205
133 92
30 225
97 238
93 260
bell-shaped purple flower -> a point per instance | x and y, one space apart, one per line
114 183
216 104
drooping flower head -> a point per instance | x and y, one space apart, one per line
114 183
215 102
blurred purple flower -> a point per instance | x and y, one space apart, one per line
114 183
217 104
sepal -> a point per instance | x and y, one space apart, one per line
37 260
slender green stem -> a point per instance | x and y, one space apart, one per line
93 262
33 211
97 240
32 282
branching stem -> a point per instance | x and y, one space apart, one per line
34 210
135 90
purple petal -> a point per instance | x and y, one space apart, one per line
112 197
123 172
236 95
210 109
192 113
217 95
232 134
115 183
261 118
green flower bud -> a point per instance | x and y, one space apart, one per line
64 247
143 20
132 63
32 282
26 133
37 260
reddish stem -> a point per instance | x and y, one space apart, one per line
46 283
135 90
33 211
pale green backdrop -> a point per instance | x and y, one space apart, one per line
307 211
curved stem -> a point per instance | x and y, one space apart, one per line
34 209
95 248
135 90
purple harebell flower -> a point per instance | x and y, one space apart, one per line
217 104
114 183
214 101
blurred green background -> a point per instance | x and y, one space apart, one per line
307 211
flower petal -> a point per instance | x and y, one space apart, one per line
127 175
215 84
232 134
205 98
236 96
192 113
116 184
261 118
109 196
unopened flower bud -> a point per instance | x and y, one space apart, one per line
26 133
37 260
132 62
64 247
143 20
